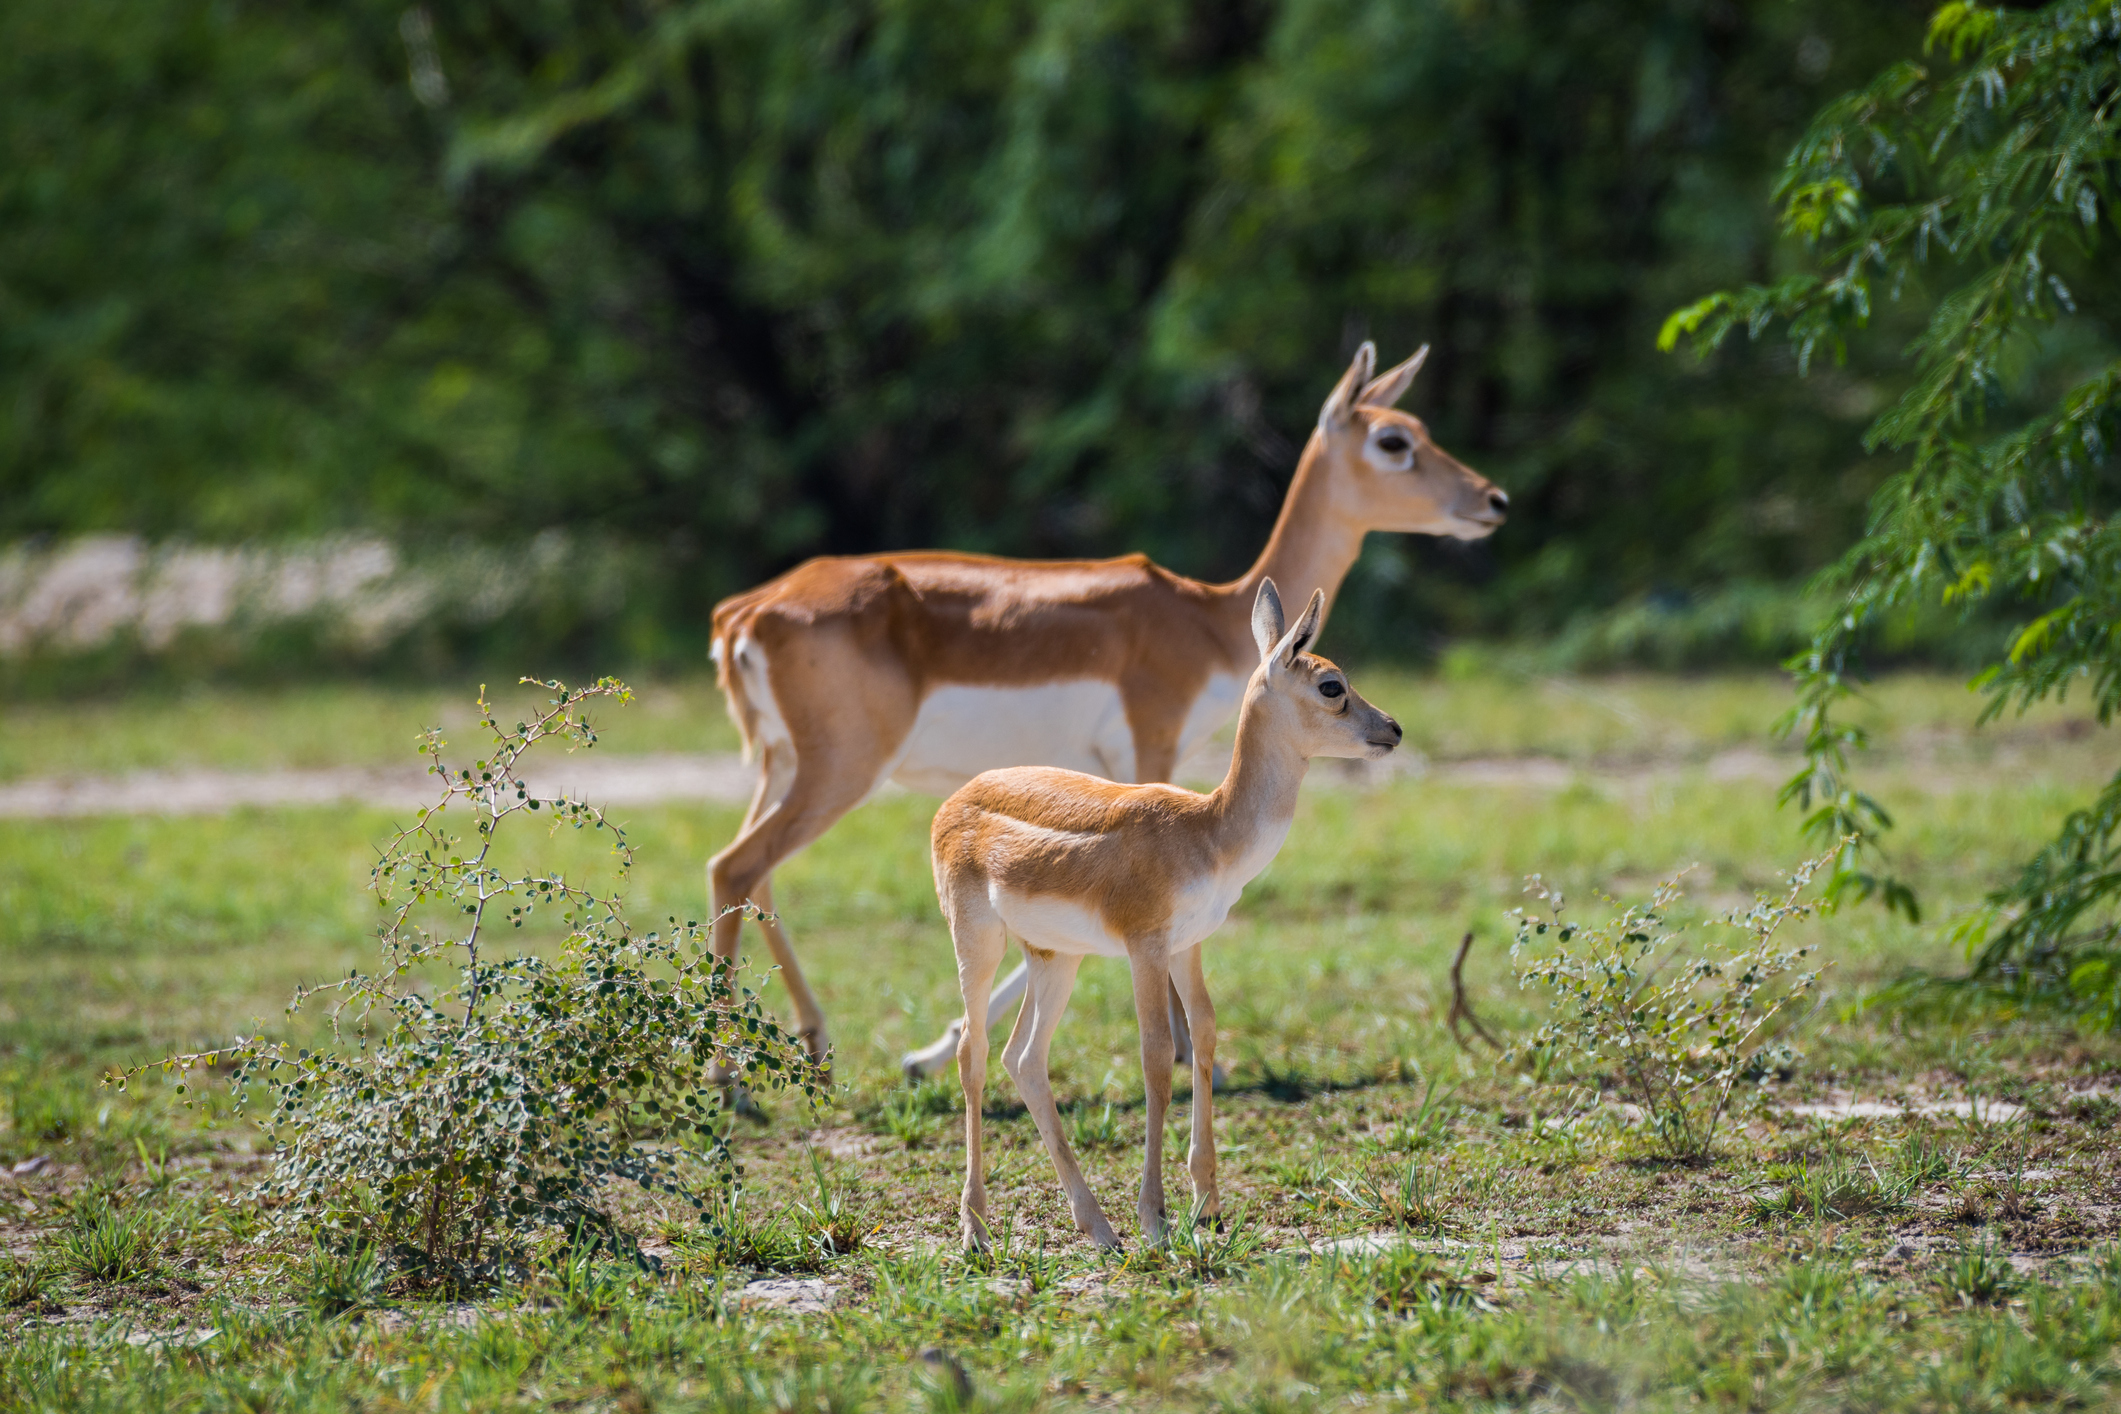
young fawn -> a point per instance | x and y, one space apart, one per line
1075 866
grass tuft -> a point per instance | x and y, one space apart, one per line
833 1222
112 1243
1919 1161
1402 1280
916 1115
1207 1249
1401 1196
337 1283
1836 1188
24 1285
1094 1131
1981 1275
584 1286
837 1220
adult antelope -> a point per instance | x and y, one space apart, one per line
929 668
1074 866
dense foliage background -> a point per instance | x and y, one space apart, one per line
716 285
1986 177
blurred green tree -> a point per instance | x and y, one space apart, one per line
233 299
1982 185
738 283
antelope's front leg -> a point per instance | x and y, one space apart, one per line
1192 987
1152 982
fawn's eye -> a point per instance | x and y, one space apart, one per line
1330 690
1393 444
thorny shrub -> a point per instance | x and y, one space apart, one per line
1677 1037
448 1125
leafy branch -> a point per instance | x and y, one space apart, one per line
1990 173
448 1129
1677 1039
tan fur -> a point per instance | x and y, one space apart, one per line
1127 855
854 644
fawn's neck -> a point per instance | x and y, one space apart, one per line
1256 801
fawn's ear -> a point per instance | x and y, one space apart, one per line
1340 403
1299 638
1267 619
1387 388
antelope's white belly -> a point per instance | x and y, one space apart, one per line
1080 725
1065 926
1217 703
1056 924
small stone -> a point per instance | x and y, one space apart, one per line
173 1340
31 1166
944 1369
796 1296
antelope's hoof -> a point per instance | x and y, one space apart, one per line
930 1060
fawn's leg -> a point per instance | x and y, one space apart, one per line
1152 984
1182 1039
1052 980
1200 1021
981 941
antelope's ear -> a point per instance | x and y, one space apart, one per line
1340 403
1299 638
1267 619
1386 389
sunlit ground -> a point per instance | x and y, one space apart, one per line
123 938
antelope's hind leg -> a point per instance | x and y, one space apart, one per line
977 931
927 1061
859 712
1052 980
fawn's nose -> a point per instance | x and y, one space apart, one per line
1498 502
1392 726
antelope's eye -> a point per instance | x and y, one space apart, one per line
1330 690
1393 445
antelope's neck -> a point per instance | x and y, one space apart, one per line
1313 546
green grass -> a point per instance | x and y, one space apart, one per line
314 725
1405 1225
1635 716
